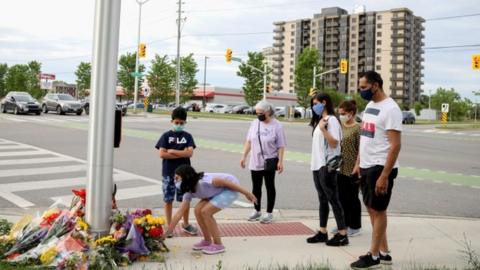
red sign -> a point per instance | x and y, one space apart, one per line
45 76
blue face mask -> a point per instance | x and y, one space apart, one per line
178 184
178 128
318 108
366 94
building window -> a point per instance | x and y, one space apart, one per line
352 68
379 17
352 84
379 26
379 58
379 50
291 77
291 62
293 25
353 60
354 20
292 48
353 44
313 23
352 51
313 31
353 28
292 55
352 76
379 42
292 40
293 33
378 68
354 36
379 34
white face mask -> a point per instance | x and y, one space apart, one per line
345 118
178 184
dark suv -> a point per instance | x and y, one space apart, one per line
408 117
62 104
118 106
20 102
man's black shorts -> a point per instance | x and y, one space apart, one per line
368 182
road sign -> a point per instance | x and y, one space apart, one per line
444 117
476 62
136 74
445 107
236 59
146 92
45 76
344 66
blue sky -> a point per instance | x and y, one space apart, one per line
58 33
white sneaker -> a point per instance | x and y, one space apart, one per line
267 218
255 216
353 232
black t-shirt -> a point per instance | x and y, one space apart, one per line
178 141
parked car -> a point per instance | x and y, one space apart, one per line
20 103
222 108
139 106
118 106
280 112
408 117
240 109
61 104
192 106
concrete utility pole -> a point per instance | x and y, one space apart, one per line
179 33
265 81
204 83
140 3
102 104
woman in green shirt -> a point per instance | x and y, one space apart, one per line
348 185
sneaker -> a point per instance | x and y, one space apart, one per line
366 262
385 260
267 218
318 238
169 235
255 216
213 249
353 232
337 240
190 229
334 231
201 245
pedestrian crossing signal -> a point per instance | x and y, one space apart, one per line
312 92
142 50
228 55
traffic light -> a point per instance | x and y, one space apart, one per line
228 55
344 66
142 50
313 91
269 88
476 62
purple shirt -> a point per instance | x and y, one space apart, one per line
272 137
205 189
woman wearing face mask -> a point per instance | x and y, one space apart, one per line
327 135
266 142
348 185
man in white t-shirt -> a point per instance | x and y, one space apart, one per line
377 164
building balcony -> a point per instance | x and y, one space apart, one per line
277 72
278 29
278 43
394 62
278 37
277 65
277 58
278 50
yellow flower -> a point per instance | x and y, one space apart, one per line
137 221
48 256
106 240
82 225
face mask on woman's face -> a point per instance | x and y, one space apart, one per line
318 108
345 118
261 117
178 184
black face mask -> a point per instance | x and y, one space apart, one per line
261 117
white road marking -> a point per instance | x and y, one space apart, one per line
23 153
38 171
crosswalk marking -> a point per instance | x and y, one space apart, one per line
23 153
37 171
31 161
13 147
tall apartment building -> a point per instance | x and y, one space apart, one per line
389 42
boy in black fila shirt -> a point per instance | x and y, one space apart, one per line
176 148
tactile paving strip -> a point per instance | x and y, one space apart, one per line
257 229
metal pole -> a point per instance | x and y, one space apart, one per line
135 93
314 77
204 83
101 126
429 98
179 24
265 81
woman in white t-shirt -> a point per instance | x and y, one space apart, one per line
327 135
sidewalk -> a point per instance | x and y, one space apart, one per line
415 242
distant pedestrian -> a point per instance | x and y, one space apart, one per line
216 192
380 144
326 152
175 148
266 142
348 186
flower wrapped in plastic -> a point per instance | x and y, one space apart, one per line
61 226
30 237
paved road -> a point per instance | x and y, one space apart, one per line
42 158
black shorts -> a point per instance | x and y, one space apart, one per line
368 182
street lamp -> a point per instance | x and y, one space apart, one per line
140 3
204 83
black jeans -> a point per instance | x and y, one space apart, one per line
327 189
348 189
257 181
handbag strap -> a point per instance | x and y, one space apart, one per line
260 141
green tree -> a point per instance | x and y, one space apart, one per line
127 66
161 79
361 103
458 107
418 107
188 82
308 59
3 74
84 74
253 84
34 70
17 78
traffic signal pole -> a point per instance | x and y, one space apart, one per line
135 93
102 115
320 74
